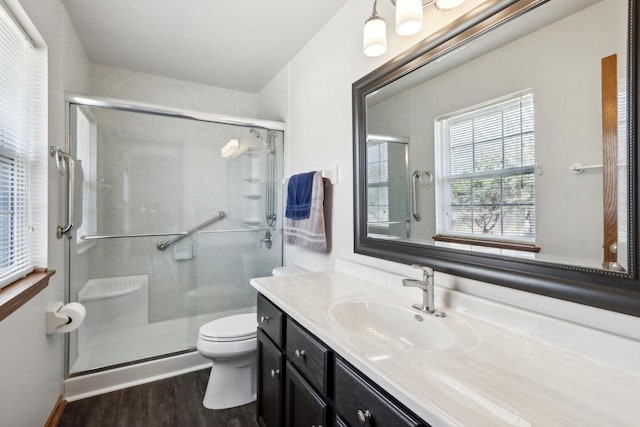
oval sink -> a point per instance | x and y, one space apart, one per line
392 326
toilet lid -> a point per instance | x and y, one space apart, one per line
231 328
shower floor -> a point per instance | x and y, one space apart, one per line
107 348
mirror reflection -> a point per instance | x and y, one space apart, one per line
513 144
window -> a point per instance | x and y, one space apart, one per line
486 176
378 183
23 156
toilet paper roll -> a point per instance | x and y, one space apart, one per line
76 314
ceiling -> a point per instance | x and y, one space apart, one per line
235 44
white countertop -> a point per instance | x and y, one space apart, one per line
491 376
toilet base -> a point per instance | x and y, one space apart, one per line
232 382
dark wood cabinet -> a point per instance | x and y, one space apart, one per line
359 403
304 407
270 320
270 382
302 383
309 356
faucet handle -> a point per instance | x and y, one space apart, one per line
426 271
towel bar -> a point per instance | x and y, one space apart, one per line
330 174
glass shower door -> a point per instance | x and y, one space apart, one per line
145 180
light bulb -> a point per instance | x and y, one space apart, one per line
448 4
408 17
375 36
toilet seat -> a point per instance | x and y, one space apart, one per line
239 327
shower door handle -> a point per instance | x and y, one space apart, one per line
414 194
66 166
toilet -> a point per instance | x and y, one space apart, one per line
232 345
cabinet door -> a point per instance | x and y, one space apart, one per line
304 407
270 382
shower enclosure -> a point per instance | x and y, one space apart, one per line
173 215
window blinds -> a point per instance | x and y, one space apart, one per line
377 182
22 154
487 182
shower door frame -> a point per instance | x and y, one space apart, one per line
72 99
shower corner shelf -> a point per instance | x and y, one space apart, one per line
253 196
252 222
253 180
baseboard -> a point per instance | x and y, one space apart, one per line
56 413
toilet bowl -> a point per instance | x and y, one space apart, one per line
231 343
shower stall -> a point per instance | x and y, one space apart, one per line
173 213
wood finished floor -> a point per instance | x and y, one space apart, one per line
175 402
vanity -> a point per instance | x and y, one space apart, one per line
336 349
303 376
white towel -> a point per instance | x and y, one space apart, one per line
309 233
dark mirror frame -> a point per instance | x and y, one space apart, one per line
605 289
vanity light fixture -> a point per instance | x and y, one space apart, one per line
409 19
375 34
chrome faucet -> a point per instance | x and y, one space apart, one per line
426 284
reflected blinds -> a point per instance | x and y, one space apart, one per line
487 164
377 182
22 167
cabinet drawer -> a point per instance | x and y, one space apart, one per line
304 407
270 320
358 403
308 355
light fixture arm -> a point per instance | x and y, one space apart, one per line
424 3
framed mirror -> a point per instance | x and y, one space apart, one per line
503 148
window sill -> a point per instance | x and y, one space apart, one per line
500 244
15 295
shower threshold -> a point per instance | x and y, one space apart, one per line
114 347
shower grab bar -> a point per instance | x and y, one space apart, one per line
177 233
66 166
164 245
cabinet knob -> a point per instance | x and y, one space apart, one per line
300 354
363 416
275 373
264 319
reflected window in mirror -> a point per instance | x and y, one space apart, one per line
388 194
485 177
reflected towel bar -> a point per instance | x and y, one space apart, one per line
578 168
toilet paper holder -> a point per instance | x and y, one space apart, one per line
58 320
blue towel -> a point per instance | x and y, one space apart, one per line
299 193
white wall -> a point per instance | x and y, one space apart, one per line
31 362
130 85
